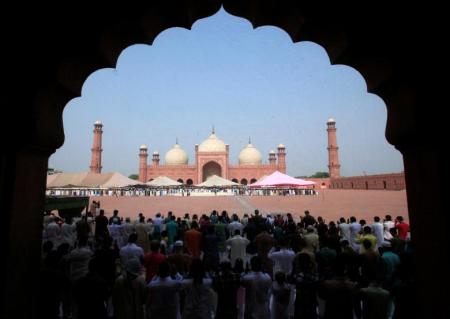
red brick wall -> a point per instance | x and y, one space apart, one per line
394 181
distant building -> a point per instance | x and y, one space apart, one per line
211 158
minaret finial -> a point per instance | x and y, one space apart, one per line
176 140
249 140
213 131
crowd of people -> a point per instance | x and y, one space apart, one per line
221 266
180 191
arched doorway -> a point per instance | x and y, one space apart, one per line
253 180
211 168
244 181
331 26
235 180
189 182
180 181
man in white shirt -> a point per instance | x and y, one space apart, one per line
131 250
282 259
378 231
238 247
388 225
163 301
355 228
344 229
257 291
235 225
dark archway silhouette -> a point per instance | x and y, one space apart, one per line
253 180
211 168
180 181
235 180
367 40
244 181
189 182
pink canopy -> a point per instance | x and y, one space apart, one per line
278 179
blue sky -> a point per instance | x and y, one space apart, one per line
247 83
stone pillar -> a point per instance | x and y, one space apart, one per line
282 158
155 159
428 219
23 181
96 157
333 158
272 158
143 163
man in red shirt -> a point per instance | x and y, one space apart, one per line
193 240
152 260
402 227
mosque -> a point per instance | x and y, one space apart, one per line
211 158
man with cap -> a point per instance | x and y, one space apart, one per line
179 260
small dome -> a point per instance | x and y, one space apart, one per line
331 120
98 122
281 146
143 147
272 152
249 155
212 144
176 156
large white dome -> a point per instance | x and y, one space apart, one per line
249 155
176 156
212 144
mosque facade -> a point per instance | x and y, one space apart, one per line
211 158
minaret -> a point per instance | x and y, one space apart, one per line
281 158
143 163
333 158
155 159
96 157
272 158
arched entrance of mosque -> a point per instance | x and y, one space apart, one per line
189 182
235 180
244 181
210 169
95 40
180 181
253 180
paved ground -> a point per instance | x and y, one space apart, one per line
330 204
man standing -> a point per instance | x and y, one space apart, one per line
238 247
257 291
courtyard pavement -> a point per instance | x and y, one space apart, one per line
330 204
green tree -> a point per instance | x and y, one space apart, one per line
134 176
320 175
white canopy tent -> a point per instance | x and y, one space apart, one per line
163 181
90 180
217 181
